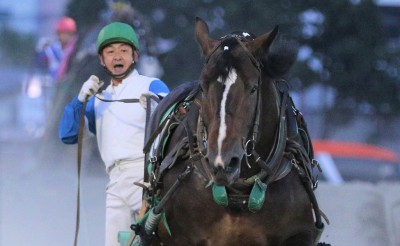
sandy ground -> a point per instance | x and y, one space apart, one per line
38 194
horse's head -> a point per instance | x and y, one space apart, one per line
230 83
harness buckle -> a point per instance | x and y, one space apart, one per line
153 159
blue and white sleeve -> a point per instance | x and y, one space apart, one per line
159 88
69 124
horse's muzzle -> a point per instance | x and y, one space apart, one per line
227 174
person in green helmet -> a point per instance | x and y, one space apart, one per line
119 127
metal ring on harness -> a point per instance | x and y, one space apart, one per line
246 146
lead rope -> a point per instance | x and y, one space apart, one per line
79 160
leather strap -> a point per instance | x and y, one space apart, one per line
133 100
79 160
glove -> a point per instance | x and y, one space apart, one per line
143 100
89 88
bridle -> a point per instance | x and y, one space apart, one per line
277 165
270 168
250 142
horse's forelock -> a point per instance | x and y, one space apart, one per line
224 60
220 65
230 42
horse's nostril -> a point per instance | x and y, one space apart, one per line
219 166
233 164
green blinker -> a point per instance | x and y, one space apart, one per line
257 196
149 168
220 195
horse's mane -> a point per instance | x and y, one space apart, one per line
280 58
278 61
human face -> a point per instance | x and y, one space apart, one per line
65 38
117 57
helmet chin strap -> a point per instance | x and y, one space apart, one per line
122 75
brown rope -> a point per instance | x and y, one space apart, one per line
79 160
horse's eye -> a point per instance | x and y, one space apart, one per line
254 89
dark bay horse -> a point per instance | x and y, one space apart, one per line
231 163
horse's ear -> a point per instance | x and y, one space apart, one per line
202 36
259 46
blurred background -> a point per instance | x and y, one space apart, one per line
346 82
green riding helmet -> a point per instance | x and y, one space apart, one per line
117 32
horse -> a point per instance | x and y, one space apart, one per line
230 160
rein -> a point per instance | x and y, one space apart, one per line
133 100
79 160
271 165
130 100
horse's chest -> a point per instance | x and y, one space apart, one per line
225 230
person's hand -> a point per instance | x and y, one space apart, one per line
89 88
144 96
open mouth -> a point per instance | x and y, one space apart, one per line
118 68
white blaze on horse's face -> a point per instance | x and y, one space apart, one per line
230 80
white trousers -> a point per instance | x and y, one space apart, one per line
123 199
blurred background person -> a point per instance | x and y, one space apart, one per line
53 57
51 62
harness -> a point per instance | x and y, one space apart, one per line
292 149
